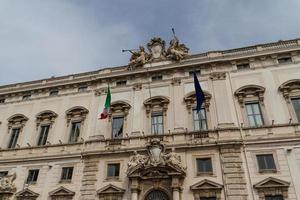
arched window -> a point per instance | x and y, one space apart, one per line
44 121
75 117
201 120
291 93
15 127
156 108
251 100
118 116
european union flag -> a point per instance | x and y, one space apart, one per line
199 93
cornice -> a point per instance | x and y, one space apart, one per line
107 74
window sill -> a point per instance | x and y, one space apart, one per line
267 171
65 181
205 174
113 178
31 183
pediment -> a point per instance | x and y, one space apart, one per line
26 193
62 191
271 183
110 189
206 185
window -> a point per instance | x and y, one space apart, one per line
296 104
2 100
117 127
32 176
14 138
3 173
157 123
266 162
121 83
82 88
53 93
285 60
67 173
156 78
243 66
43 135
198 72
204 166
208 198
75 132
276 197
26 97
113 170
200 121
254 114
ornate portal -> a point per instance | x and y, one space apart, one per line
157 195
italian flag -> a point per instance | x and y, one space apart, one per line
105 112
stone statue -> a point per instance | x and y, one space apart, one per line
156 47
138 58
6 183
176 50
136 160
173 159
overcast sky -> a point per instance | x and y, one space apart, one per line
43 38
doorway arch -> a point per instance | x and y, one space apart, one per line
157 195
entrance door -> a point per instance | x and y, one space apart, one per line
157 195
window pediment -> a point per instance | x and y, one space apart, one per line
271 183
290 88
61 192
27 193
120 107
111 191
250 92
17 120
190 100
77 113
207 188
156 103
45 117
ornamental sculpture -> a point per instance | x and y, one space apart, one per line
157 52
6 184
156 158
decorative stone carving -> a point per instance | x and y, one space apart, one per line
61 193
17 120
207 188
217 76
7 185
111 192
176 50
250 92
156 103
76 113
156 47
119 107
190 100
45 117
272 186
156 160
289 89
138 58
26 194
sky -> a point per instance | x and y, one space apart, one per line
44 38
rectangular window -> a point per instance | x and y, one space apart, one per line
156 78
208 198
82 88
14 138
43 135
26 97
200 121
198 72
157 123
113 170
285 60
276 197
2 100
32 176
254 114
66 173
266 162
121 83
53 93
117 127
204 166
296 104
243 66
75 132
3 173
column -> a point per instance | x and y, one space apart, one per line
176 194
175 188
134 189
134 194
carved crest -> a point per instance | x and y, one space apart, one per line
156 47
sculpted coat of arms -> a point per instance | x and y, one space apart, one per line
157 52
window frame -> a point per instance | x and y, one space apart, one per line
263 152
157 114
66 179
266 170
243 66
200 120
34 176
3 173
204 173
293 105
40 134
253 114
71 128
112 124
112 164
15 141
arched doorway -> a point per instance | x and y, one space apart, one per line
157 195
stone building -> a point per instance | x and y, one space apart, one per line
244 144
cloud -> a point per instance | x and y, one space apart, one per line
39 39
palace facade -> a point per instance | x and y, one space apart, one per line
244 144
